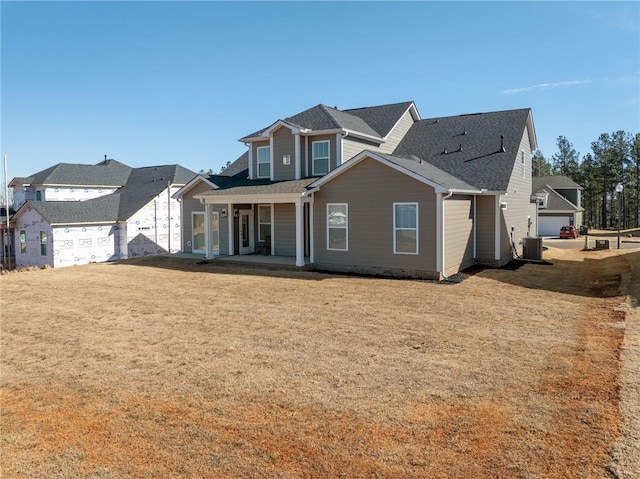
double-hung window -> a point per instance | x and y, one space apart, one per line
43 243
264 222
264 162
337 226
405 228
321 157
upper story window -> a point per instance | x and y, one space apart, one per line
264 162
38 195
321 157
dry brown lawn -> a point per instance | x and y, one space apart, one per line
164 368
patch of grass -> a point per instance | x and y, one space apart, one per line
300 374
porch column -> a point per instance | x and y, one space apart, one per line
207 231
299 233
230 223
311 233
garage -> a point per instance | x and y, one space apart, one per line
550 225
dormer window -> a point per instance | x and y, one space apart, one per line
320 157
264 162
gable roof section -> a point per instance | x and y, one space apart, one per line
383 118
422 171
370 122
106 173
557 182
469 146
556 202
142 186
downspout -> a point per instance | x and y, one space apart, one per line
443 235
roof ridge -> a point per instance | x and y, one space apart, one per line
408 102
324 109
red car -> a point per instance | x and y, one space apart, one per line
568 232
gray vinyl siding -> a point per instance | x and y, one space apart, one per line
254 156
351 148
309 152
284 229
284 143
485 228
189 205
395 136
519 206
370 189
458 215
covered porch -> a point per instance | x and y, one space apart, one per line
259 224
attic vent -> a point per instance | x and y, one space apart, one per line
502 150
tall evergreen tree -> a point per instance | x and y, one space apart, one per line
611 153
565 162
540 165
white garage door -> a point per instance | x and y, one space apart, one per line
550 225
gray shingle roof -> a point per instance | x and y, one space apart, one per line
261 187
429 172
105 173
472 145
555 201
142 185
371 121
238 166
381 118
557 182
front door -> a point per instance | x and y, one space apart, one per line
246 232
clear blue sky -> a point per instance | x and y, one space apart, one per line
151 83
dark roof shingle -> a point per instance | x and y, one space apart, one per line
469 146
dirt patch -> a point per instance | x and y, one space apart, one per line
242 373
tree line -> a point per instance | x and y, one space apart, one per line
614 160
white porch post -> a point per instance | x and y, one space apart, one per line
230 223
311 241
299 233
207 231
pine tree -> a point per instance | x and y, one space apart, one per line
565 162
539 164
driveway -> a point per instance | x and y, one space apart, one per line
578 243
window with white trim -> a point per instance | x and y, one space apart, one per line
405 228
264 161
337 226
320 155
264 222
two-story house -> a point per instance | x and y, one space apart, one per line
73 214
560 203
373 190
